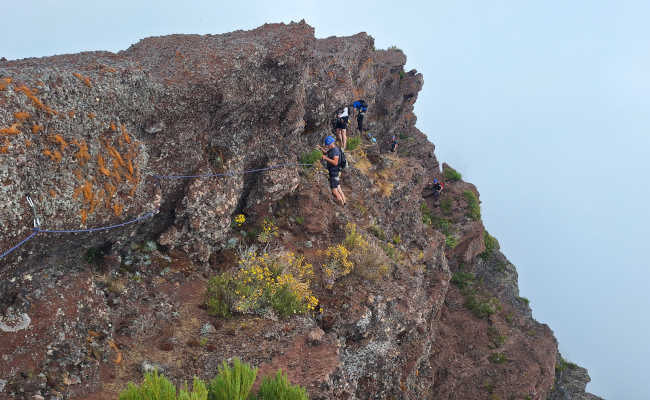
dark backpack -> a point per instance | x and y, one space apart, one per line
343 162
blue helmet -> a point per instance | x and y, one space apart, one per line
329 140
435 180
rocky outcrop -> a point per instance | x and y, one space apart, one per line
97 139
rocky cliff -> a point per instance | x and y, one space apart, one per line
99 139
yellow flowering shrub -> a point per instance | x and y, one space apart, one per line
357 254
269 231
280 281
337 265
240 219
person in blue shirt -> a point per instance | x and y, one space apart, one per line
361 107
331 156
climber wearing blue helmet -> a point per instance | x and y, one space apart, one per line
437 188
332 155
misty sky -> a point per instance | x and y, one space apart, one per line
543 105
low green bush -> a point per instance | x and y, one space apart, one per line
463 279
451 241
481 308
452 175
311 157
445 205
473 207
427 217
497 358
279 388
231 383
352 143
377 231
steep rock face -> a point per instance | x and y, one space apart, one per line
97 139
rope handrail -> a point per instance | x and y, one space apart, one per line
147 215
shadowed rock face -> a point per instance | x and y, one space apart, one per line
85 135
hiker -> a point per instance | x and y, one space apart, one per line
332 155
436 188
341 126
393 143
361 106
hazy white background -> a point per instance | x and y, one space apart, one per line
543 105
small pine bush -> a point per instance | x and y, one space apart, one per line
311 157
232 383
157 387
279 388
352 143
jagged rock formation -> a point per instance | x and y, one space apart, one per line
85 134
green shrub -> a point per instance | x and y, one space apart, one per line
279 388
402 74
403 136
352 143
445 205
452 175
427 217
377 231
451 241
94 256
463 279
311 157
157 387
491 243
497 358
397 239
474 209
479 307
523 300
563 364
286 303
300 220
219 296
232 383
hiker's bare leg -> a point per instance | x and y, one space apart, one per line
342 195
337 195
344 137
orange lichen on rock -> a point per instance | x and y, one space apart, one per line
125 135
113 127
82 78
4 82
21 115
37 102
91 115
54 155
84 215
87 190
57 138
130 166
12 130
102 165
71 114
28 143
117 209
82 155
36 128
77 173
52 193
115 154
110 191
5 148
